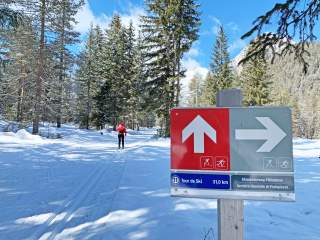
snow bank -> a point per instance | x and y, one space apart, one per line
306 148
24 135
21 136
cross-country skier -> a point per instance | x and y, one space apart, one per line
122 131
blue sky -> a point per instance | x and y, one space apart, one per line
235 15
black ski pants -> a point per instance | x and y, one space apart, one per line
121 139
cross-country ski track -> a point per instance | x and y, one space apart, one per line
83 187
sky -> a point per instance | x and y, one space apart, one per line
236 16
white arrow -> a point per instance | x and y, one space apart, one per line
198 127
273 134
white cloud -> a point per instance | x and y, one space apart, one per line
85 17
238 44
233 27
230 26
133 15
215 20
216 24
192 67
193 52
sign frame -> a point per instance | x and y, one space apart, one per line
255 185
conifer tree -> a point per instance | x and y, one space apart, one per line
220 74
169 30
196 91
116 65
255 83
88 76
63 27
18 72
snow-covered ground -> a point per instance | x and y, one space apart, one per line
82 187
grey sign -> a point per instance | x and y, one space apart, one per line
271 183
261 139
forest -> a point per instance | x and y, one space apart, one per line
134 75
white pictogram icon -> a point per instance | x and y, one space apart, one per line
206 162
284 163
269 163
175 180
221 163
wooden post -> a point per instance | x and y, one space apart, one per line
230 212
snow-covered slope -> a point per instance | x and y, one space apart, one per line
82 187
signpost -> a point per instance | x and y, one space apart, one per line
232 153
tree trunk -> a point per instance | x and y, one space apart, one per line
88 110
61 68
20 100
38 97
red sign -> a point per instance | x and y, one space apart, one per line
200 139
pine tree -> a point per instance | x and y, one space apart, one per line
136 92
16 83
63 27
169 31
255 83
220 75
43 10
116 66
183 28
88 76
196 91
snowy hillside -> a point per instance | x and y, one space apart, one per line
82 187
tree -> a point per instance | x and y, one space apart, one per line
40 69
255 83
196 88
136 91
63 27
88 76
169 30
296 20
220 74
292 87
116 66
185 26
16 83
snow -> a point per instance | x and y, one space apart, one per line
82 187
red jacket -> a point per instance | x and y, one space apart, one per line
121 128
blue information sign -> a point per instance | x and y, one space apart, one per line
207 181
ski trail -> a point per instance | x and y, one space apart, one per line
81 195
73 201
80 199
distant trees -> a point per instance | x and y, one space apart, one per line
134 75
196 90
111 77
220 74
291 87
255 82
